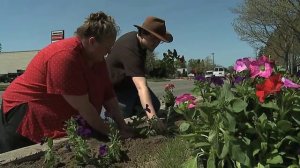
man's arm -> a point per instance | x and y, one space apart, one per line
144 94
88 112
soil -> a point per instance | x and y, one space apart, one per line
140 152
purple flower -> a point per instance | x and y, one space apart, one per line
217 80
84 131
242 64
262 67
298 74
289 84
80 121
238 79
200 78
103 150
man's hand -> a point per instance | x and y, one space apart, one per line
158 125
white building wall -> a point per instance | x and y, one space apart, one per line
11 61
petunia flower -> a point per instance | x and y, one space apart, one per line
169 86
186 98
83 128
217 80
84 131
238 79
242 64
103 150
271 85
262 67
200 78
289 84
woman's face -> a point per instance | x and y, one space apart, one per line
98 50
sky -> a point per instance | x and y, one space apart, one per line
199 27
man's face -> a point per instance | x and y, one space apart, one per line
150 41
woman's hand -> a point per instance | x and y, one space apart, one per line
126 132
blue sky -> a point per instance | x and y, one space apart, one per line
199 27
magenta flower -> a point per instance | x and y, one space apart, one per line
289 84
262 67
186 98
242 64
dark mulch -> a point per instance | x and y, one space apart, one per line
139 152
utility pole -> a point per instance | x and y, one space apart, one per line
213 59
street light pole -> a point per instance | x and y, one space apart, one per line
213 59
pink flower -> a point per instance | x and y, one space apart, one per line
262 67
242 64
191 105
169 86
186 98
183 98
289 84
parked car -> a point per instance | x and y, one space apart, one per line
3 78
208 74
219 72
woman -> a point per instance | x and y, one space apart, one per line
66 78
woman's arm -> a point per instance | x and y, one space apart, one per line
113 108
88 112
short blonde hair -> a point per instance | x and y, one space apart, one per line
98 25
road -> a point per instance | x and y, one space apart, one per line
181 86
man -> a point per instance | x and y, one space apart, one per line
126 65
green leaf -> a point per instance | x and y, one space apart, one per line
263 118
211 160
212 135
226 93
284 125
201 144
270 105
231 122
255 151
189 136
259 165
184 127
238 105
296 116
239 155
225 149
275 159
190 163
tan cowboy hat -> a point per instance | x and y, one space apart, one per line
157 27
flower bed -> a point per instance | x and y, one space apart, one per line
249 120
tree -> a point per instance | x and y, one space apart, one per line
199 66
272 24
169 60
0 47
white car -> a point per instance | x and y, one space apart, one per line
219 72
208 74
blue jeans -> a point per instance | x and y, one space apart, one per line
130 101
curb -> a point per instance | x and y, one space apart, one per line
26 153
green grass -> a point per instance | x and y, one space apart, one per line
173 154
157 80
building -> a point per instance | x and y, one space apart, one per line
10 62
